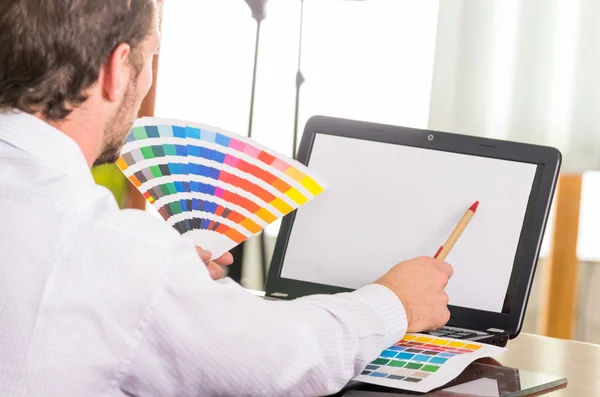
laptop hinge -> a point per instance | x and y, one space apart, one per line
281 294
495 330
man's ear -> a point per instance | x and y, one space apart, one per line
115 73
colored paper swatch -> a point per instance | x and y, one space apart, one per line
422 363
217 187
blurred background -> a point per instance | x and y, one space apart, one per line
524 70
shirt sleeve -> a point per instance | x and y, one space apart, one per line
215 338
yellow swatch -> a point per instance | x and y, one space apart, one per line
473 347
311 185
295 195
250 225
150 199
423 339
122 164
265 215
409 337
295 174
281 206
456 344
439 342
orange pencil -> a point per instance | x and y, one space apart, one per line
444 250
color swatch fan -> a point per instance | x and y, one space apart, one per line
215 186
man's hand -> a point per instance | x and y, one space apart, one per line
213 266
419 284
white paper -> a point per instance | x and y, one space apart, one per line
388 203
447 371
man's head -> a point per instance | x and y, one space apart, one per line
83 66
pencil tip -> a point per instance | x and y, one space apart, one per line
474 206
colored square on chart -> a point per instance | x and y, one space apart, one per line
222 140
395 377
397 348
421 358
438 360
165 131
141 177
439 342
397 363
456 344
413 350
237 145
281 206
372 367
178 132
409 337
147 152
122 164
155 170
128 159
413 366
265 215
164 169
192 132
313 187
473 347
413 380
280 165
365 372
135 181
423 339
266 157
169 149
139 133
158 151
152 131
296 196
421 374
381 361
430 352
430 368
388 353
447 355
405 356
251 151
378 374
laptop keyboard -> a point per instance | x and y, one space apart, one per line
456 333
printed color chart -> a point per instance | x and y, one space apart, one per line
215 186
422 363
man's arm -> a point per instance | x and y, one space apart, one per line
214 338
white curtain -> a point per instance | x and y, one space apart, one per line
525 70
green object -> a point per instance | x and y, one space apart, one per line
396 363
155 171
430 368
139 133
147 152
109 176
413 366
380 361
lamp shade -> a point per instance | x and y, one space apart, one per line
259 8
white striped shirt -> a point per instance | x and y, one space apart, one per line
97 301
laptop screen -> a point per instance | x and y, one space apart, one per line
388 203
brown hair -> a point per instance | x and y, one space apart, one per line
51 51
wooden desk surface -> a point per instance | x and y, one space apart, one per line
578 362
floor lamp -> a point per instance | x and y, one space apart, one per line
300 79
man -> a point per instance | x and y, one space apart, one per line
95 301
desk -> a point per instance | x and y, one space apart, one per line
578 362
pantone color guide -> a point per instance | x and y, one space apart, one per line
215 186
422 363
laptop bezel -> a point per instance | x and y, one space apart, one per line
548 160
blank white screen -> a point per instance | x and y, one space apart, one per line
388 203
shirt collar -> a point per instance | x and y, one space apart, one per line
44 142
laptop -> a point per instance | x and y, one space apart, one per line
397 193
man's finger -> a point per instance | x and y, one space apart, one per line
225 259
446 268
215 270
204 255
